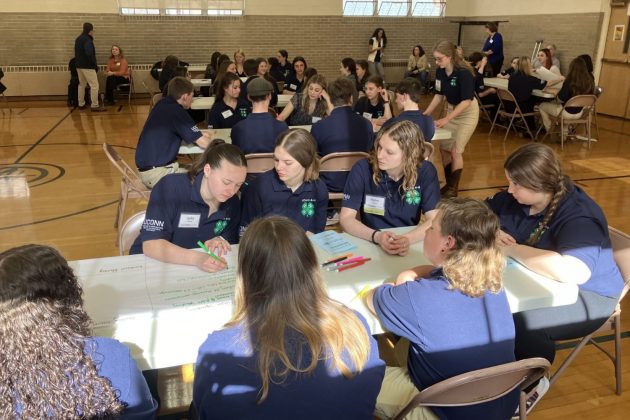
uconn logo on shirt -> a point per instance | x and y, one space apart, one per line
152 225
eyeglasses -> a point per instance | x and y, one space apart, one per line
438 59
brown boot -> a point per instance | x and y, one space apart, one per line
452 184
447 175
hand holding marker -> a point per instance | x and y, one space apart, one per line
212 254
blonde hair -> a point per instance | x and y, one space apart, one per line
524 65
476 263
241 52
306 101
450 50
301 145
280 297
411 142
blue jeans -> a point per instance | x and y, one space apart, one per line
422 76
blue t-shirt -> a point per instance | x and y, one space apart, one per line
457 87
341 131
578 228
401 208
177 213
227 383
167 125
424 122
450 333
494 44
113 361
223 116
257 133
267 195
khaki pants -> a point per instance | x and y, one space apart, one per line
548 109
152 176
461 127
88 77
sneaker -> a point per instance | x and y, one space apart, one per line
333 219
99 109
536 396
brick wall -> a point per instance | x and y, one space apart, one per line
48 38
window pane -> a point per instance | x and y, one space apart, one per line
428 8
358 7
392 7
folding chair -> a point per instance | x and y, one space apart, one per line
505 97
126 88
586 102
154 100
598 92
481 386
339 162
131 185
484 109
429 149
129 232
258 163
621 251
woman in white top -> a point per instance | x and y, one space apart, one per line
377 43
545 60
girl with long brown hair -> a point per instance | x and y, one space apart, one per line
392 188
551 226
289 350
52 366
455 83
454 313
309 105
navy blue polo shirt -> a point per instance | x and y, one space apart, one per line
177 213
268 195
578 228
450 333
274 95
223 116
365 108
167 125
401 208
257 133
457 87
521 85
424 122
341 131
292 83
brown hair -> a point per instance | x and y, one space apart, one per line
47 370
214 155
492 26
450 50
270 300
579 79
548 60
301 145
121 55
411 141
318 79
340 91
476 263
179 86
410 86
535 166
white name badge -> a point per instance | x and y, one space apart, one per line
292 86
367 115
491 41
315 119
374 205
227 114
438 85
189 220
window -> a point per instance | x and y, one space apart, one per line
181 7
419 8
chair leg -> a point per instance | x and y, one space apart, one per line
596 123
508 128
494 121
569 359
618 377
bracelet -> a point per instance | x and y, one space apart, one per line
373 235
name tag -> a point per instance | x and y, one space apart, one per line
292 86
374 205
118 64
189 220
315 119
491 41
438 85
367 115
227 114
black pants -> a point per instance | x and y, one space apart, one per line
496 66
110 86
526 107
538 330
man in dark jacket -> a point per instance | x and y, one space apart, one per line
85 56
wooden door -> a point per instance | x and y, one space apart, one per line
615 72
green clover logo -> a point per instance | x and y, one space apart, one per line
453 82
308 209
220 227
412 197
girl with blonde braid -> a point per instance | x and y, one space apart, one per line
551 226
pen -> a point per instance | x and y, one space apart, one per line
207 251
340 264
337 259
349 266
362 292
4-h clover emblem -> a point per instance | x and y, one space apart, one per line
220 226
453 82
412 197
308 209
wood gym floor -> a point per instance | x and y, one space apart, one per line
57 187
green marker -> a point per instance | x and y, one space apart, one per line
207 251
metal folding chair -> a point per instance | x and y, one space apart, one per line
505 97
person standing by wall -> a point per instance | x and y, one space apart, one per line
377 43
85 56
493 47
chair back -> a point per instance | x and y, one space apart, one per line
598 91
621 252
129 176
480 386
259 162
428 150
341 161
506 95
129 232
582 101
155 99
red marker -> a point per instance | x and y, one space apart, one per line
349 266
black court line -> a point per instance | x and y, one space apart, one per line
598 340
120 107
59 217
22 111
71 144
42 138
